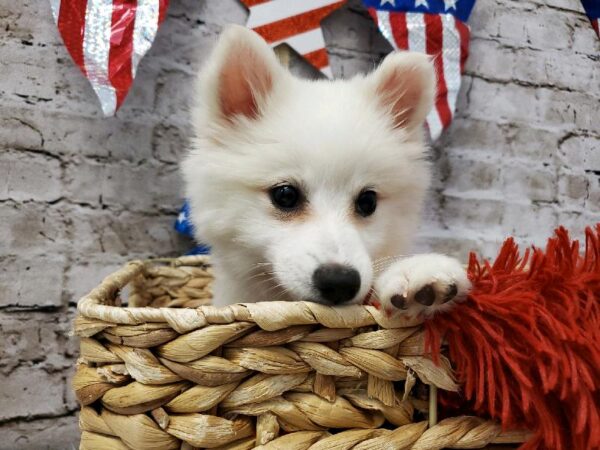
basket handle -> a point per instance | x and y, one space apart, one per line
104 295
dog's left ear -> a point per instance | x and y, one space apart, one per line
405 84
240 75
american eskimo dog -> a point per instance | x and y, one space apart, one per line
312 190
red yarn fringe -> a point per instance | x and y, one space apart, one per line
526 343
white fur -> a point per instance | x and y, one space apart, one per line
331 138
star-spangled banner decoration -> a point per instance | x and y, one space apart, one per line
183 225
592 9
461 9
435 27
296 23
107 39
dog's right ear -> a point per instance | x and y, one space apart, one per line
240 75
405 84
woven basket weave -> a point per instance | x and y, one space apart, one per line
172 372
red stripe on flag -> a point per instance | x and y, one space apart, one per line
71 24
434 33
251 3
163 5
373 13
464 34
399 29
121 47
290 26
595 25
318 58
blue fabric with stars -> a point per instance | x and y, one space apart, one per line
184 226
461 9
592 8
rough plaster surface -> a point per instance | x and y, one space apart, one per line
80 194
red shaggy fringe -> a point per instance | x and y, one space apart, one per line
526 343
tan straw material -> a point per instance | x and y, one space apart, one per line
169 371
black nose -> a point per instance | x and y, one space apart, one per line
336 283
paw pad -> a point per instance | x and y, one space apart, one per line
426 295
421 284
399 301
452 291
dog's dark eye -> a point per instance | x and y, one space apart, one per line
366 203
285 197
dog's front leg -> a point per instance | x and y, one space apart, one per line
421 284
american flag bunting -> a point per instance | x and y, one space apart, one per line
107 39
435 27
296 23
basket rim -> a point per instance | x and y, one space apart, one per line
97 310
98 304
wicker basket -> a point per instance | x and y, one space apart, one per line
172 372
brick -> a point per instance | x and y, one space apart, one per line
28 176
39 87
592 196
573 188
478 136
124 233
490 59
447 243
467 214
31 282
67 136
28 227
530 143
31 391
580 151
570 107
552 108
345 67
169 144
532 222
100 184
523 24
175 92
466 174
17 132
27 20
527 182
583 38
184 42
511 140
571 5
346 29
46 434
47 343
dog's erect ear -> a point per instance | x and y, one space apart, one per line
405 83
240 75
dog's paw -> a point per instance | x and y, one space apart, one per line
421 284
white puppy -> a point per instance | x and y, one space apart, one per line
309 190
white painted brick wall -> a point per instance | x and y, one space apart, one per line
80 194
